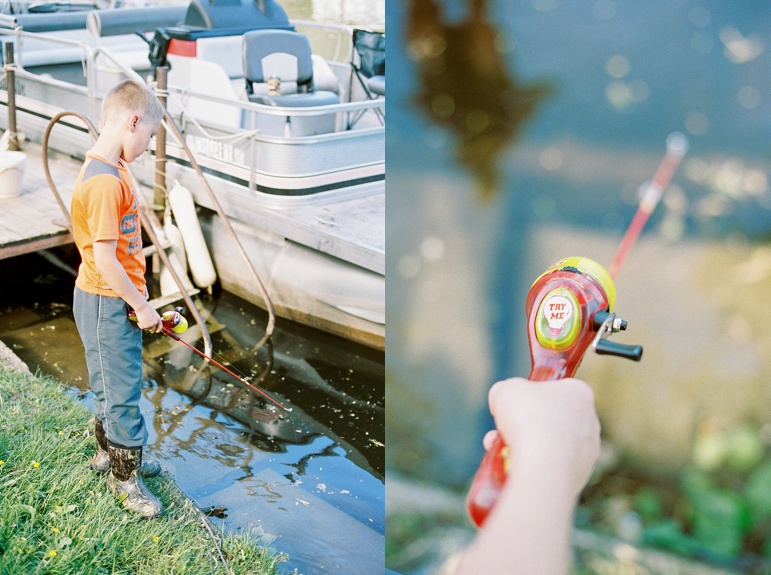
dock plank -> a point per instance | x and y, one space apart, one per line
33 220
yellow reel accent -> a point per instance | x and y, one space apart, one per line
181 326
589 267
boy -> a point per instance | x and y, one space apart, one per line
105 221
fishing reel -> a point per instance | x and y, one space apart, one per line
172 320
569 308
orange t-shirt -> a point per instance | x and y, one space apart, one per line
104 207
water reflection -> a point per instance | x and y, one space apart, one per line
466 86
343 412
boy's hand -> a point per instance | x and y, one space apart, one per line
555 420
148 318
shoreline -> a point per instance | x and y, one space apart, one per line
9 359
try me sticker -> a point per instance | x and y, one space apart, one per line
557 310
559 319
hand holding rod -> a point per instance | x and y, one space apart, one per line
175 323
569 308
562 308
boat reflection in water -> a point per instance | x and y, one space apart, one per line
268 427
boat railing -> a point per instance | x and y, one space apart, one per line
89 53
87 56
342 107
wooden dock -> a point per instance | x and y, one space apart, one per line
34 221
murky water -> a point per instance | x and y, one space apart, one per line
312 479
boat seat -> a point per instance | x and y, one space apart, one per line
368 63
227 52
278 72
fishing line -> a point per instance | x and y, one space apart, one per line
175 337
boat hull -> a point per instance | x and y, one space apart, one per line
305 285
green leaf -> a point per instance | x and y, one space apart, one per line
28 509
720 520
744 449
63 510
694 481
668 534
757 490
647 503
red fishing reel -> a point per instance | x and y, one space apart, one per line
569 308
172 320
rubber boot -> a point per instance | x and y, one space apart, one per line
101 461
126 484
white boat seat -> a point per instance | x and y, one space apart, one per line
226 51
279 54
284 56
324 78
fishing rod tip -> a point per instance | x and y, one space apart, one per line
677 144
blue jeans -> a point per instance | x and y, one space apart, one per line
113 347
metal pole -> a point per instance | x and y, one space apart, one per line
159 195
10 79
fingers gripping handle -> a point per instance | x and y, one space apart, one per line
488 482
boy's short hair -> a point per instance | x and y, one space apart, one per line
132 96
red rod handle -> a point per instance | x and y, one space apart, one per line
494 468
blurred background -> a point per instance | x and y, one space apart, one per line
521 132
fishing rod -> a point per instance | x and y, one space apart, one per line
677 146
569 308
175 323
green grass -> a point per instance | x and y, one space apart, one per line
57 517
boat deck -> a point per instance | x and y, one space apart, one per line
33 220
352 230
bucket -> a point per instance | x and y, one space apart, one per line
12 166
